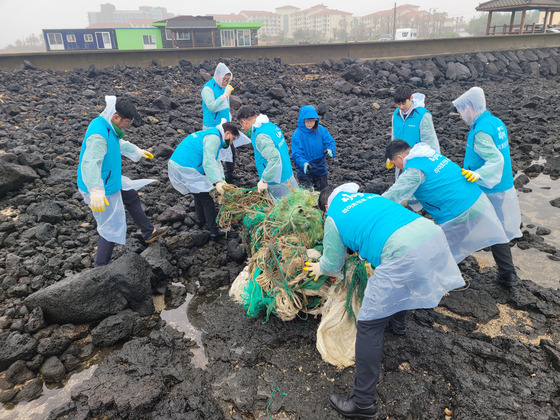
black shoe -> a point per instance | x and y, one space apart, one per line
348 408
216 235
508 279
397 327
158 233
230 178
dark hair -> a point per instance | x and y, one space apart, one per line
126 109
402 93
246 112
395 148
229 126
324 197
316 125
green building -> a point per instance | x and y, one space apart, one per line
138 38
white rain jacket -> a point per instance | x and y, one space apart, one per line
111 223
416 269
474 229
470 106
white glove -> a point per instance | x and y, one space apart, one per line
220 186
329 153
262 185
229 89
306 167
471 176
98 201
313 269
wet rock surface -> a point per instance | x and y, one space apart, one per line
485 352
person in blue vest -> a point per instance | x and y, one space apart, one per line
215 107
311 144
194 169
488 163
272 157
412 122
460 207
100 182
414 269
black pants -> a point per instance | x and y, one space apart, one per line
503 258
230 166
369 351
206 210
132 204
313 182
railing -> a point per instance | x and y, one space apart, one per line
532 28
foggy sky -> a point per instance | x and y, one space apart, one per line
21 18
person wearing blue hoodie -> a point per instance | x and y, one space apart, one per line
311 145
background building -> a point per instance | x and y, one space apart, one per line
109 14
80 39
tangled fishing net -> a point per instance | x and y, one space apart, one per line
281 237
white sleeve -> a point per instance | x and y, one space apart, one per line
92 159
493 168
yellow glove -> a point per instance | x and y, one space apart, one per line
220 186
471 176
262 185
229 89
313 269
389 164
98 203
147 154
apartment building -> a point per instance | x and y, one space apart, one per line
271 22
109 14
382 22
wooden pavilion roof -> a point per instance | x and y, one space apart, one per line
513 5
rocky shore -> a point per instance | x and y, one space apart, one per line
486 352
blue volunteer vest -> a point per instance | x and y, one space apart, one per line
409 128
277 137
209 118
446 193
190 152
366 221
112 162
496 129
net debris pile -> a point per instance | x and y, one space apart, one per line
280 238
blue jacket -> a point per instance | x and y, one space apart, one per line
366 221
112 162
209 118
309 145
277 137
409 128
446 193
190 152
496 129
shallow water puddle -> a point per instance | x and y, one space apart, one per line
536 211
50 399
182 318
